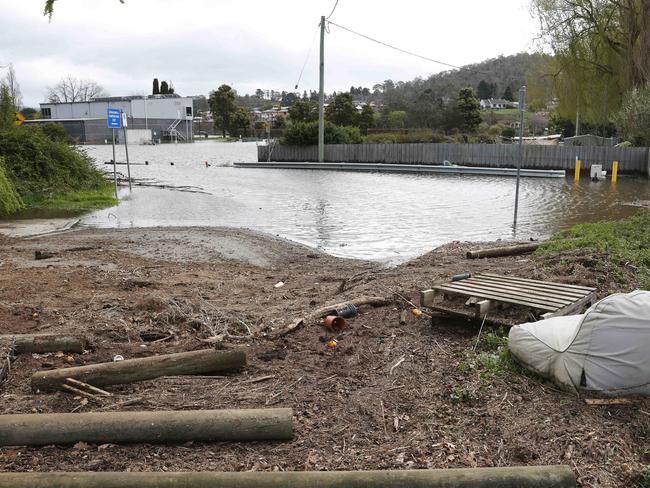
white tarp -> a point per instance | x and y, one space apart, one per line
607 349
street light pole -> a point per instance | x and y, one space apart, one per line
522 108
321 94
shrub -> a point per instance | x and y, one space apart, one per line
10 201
38 165
306 134
508 132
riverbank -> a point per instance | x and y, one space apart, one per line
414 395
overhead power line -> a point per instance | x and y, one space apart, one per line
332 12
311 47
395 47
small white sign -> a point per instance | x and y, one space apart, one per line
125 121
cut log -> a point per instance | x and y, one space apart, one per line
518 477
148 427
503 251
206 361
42 343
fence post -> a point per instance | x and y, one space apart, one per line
576 176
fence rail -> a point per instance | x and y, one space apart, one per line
630 160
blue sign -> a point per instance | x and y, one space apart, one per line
114 118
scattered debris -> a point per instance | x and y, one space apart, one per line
38 255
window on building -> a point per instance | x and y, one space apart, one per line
46 113
188 111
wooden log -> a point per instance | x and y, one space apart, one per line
148 427
42 343
503 251
206 361
517 477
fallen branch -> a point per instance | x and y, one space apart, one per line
330 310
42 343
133 370
503 251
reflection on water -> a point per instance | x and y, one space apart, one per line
362 215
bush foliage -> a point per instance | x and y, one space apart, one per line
38 161
306 134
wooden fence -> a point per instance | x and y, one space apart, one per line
630 160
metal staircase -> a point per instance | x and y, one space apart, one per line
172 132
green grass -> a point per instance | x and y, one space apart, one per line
72 203
622 243
645 477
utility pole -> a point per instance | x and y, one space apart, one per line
522 108
321 94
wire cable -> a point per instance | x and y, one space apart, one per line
395 47
311 47
332 12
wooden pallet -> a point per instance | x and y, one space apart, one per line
486 290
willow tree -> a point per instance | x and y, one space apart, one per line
600 51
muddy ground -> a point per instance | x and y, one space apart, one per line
390 396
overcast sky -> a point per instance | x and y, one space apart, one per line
201 44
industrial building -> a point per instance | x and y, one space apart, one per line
167 117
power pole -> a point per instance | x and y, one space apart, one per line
522 108
321 95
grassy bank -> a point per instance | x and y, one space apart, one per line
621 247
41 171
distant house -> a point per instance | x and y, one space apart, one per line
269 115
497 104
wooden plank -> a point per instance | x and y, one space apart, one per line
498 298
524 280
532 286
569 296
464 285
508 290
576 307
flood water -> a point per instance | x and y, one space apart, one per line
387 217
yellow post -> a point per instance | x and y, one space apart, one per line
614 171
576 177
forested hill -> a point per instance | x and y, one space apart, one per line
498 74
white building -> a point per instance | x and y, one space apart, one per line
167 116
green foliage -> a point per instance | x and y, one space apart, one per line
10 201
7 109
460 395
38 165
633 119
304 110
485 90
156 87
620 243
508 132
469 110
341 111
507 94
645 477
306 134
393 120
30 113
601 51
406 137
56 132
366 119
223 107
240 123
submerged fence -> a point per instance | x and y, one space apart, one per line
630 160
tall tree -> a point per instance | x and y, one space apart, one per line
469 110
222 105
484 90
342 110
156 87
71 89
507 94
601 51
366 119
49 8
633 119
164 88
14 87
303 111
